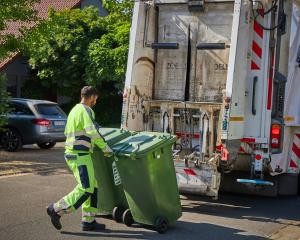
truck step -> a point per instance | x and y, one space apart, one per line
255 182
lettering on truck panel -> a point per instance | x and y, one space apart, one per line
220 67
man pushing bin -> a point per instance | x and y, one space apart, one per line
81 136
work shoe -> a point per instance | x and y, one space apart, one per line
55 218
93 226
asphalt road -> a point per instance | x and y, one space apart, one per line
23 216
23 199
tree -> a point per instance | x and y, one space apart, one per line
108 56
4 108
109 53
77 47
11 10
119 10
57 48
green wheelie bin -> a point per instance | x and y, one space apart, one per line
111 197
148 176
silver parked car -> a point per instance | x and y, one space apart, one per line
33 121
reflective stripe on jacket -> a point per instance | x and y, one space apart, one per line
81 132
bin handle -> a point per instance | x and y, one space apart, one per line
136 148
135 145
165 137
129 155
122 148
109 132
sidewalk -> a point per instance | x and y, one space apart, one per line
290 232
32 159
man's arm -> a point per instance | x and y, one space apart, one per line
90 128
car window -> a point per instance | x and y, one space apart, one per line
19 108
49 109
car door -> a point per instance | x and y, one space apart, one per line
21 118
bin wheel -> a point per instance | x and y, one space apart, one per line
117 214
161 225
127 218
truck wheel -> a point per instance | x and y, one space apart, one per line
117 214
161 225
46 145
127 218
11 140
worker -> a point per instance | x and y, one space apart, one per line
81 135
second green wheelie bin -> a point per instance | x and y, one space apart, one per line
146 167
111 197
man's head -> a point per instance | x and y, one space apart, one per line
89 95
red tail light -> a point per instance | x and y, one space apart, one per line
276 135
42 122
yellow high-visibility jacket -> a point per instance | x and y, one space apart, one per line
81 130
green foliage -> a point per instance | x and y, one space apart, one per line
4 108
108 56
13 10
119 10
58 48
78 47
28 91
107 110
109 106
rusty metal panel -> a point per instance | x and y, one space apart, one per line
186 1
207 68
171 64
211 65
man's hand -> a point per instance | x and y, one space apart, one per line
107 151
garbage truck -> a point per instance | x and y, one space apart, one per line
223 76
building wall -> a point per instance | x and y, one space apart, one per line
16 72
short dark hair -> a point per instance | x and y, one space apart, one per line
88 91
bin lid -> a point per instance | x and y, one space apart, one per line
113 135
143 142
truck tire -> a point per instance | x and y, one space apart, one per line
288 184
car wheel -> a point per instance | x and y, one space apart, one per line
47 145
11 140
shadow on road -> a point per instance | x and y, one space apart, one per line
255 208
182 230
107 233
